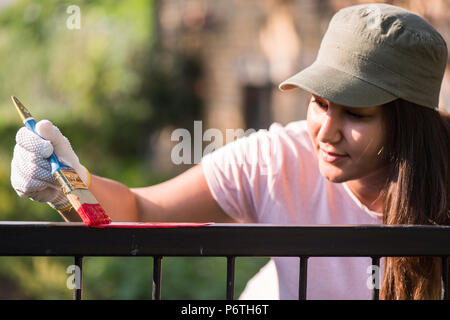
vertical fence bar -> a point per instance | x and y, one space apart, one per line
445 278
77 291
230 277
303 276
376 277
157 278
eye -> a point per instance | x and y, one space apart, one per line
320 103
354 115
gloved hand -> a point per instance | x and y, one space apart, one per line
31 175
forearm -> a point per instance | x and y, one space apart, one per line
184 198
163 203
116 199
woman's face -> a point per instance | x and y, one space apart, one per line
347 140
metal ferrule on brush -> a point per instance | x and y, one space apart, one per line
64 183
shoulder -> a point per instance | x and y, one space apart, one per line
295 130
281 140
281 148
293 136
268 149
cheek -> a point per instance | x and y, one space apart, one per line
364 142
356 138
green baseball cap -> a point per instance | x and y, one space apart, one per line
372 54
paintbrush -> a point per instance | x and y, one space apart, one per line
82 200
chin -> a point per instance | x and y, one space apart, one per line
335 179
335 176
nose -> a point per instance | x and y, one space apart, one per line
330 129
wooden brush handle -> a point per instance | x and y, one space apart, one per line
70 215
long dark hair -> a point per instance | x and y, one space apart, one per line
417 192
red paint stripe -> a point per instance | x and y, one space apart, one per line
152 224
93 214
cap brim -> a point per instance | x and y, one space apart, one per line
337 86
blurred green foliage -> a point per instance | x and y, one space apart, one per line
107 86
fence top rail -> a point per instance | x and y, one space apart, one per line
19 238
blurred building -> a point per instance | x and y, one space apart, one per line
248 47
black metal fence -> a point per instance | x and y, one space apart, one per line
227 240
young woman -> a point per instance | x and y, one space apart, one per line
374 149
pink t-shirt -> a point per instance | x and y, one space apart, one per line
272 176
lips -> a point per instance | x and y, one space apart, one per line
331 156
333 153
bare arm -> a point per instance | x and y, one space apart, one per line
185 198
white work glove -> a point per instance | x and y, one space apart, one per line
31 175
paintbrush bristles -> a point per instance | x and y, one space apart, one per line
93 214
90 211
